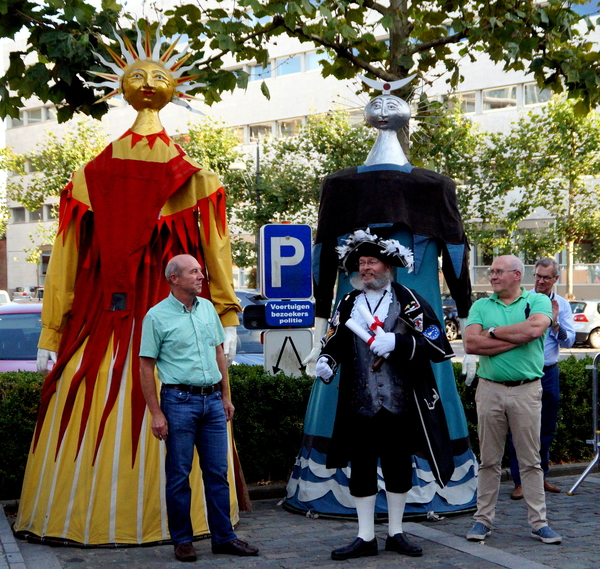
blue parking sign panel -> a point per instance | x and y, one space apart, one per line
285 262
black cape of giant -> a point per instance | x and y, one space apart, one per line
421 200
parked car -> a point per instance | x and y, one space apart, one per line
451 318
20 327
27 293
586 317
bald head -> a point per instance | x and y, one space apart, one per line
505 276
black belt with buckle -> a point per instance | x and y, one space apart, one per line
546 368
514 383
194 389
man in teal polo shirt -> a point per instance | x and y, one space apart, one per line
507 332
183 337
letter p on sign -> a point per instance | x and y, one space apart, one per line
278 260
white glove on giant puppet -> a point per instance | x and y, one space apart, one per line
323 370
383 343
311 360
42 360
230 344
469 363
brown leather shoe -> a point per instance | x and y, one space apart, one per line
236 547
517 493
185 552
550 487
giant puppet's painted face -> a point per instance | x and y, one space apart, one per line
387 112
147 85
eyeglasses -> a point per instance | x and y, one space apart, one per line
500 272
543 278
368 263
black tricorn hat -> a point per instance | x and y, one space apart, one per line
362 243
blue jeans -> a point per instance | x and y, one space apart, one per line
550 401
196 420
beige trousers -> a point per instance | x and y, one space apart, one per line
518 408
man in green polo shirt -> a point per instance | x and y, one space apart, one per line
507 332
182 336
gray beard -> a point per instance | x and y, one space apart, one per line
377 283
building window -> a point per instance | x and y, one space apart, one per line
50 113
34 115
31 165
260 132
44 260
289 65
50 211
258 72
240 133
290 127
500 98
465 101
312 59
533 95
36 215
18 214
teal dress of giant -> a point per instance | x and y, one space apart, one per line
418 207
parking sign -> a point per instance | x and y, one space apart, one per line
285 262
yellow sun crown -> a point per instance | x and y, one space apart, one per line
171 60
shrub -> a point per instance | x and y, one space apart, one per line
574 417
19 400
575 413
268 421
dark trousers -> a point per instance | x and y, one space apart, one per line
382 438
550 401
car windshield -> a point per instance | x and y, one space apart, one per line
19 335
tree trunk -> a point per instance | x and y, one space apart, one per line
570 249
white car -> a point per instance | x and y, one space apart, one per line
25 293
586 319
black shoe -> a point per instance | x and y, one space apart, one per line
236 547
400 544
358 548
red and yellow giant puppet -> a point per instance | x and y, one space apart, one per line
95 474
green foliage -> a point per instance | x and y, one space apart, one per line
268 420
287 186
212 144
53 162
575 414
544 162
550 40
19 400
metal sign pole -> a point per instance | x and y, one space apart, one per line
596 441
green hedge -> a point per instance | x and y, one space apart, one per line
269 417
268 421
19 400
574 417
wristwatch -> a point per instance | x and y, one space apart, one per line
492 332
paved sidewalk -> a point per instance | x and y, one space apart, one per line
291 541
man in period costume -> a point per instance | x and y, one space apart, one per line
387 388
